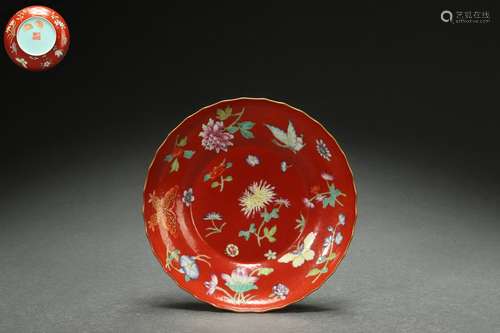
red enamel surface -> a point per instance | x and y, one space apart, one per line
45 61
173 227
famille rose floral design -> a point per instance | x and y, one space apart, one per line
217 136
289 139
216 175
164 207
284 166
328 254
323 150
256 199
178 152
185 264
302 253
232 250
238 284
280 291
188 197
325 198
252 160
270 255
215 228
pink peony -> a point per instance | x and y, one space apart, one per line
215 137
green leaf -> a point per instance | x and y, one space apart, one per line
326 201
265 271
169 158
245 234
232 129
174 166
271 239
324 270
334 194
224 114
246 134
272 231
182 142
332 256
188 154
228 178
274 213
206 177
313 272
214 184
266 232
186 277
228 165
246 125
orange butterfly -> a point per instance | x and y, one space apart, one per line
164 215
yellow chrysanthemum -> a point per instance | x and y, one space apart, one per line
256 197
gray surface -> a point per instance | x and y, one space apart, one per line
74 258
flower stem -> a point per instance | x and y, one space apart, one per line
239 114
221 183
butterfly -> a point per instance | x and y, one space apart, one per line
302 254
164 215
288 140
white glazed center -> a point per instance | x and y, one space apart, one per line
36 36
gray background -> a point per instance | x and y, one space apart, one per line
409 98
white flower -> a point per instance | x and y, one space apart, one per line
284 166
256 197
59 53
338 238
341 219
308 203
326 176
46 64
188 197
270 255
280 290
323 149
211 285
213 216
189 268
215 137
252 160
282 202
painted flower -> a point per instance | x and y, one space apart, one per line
284 166
338 238
189 268
328 241
308 203
46 64
252 160
320 197
211 285
323 149
256 197
280 290
232 250
282 202
214 136
326 176
59 53
341 219
239 281
23 62
213 216
188 197
270 255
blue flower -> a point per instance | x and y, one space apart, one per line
189 268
